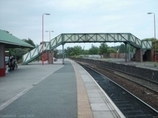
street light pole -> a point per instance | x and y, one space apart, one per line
154 35
49 37
50 57
43 36
49 34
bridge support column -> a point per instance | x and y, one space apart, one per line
50 57
149 55
2 60
139 55
129 57
63 53
126 56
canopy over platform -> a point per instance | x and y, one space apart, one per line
11 41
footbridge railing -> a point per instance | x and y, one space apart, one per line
61 39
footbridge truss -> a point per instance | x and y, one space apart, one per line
61 39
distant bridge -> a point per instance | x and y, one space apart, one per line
61 39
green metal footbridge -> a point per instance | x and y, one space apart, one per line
61 39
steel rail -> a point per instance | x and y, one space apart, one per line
147 105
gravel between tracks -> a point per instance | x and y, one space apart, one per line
143 93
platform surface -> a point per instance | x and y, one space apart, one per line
53 91
148 65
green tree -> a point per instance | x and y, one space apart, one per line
93 49
19 52
115 47
29 41
149 39
73 51
122 48
111 50
68 51
103 48
77 50
85 52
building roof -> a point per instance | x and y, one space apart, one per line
11 41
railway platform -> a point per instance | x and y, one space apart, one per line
148 65
53 91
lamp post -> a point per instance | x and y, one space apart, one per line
50 57
43 35
49 37
49 34
154 35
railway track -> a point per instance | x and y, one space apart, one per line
151 85
144 89
130 105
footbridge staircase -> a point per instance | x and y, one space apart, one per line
61 39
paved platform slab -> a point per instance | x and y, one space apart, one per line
17 82
100 104
53 91
54 97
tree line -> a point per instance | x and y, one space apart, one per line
94 50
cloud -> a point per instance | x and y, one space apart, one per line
23 17
69 5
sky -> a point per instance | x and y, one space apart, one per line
23 18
